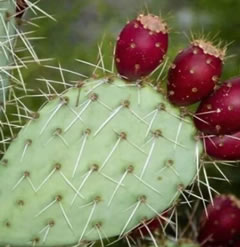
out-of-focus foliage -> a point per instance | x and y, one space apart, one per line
81 25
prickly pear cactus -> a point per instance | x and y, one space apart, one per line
94 163
7 31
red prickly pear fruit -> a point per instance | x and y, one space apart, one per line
20 7
223 222
194 72
141 46
224 147
220 112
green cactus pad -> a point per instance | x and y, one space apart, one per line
95 162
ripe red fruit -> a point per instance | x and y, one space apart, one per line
194 73
225 147
21 6
141 46
223 222
220 112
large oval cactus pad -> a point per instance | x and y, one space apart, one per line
94 162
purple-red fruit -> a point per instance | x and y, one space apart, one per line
222 225
224 147
194 73
220 112
21 6
141 46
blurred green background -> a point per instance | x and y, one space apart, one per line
82 25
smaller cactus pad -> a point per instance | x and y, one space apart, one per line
7 39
